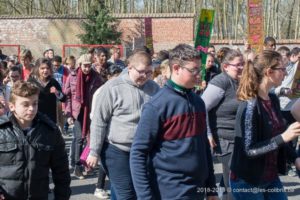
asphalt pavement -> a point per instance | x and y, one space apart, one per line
84 189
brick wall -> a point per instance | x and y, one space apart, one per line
38 33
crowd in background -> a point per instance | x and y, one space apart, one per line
142 120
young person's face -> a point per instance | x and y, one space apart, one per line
271 45
71 64
86 68
294 58
234 68
25 61
140 73
24 108
285 58
188 73
116 54
101 59
50 54
14 76
277 74
210 61
44 71
56 65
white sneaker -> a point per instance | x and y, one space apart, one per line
100 193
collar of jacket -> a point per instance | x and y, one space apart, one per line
9 118
178 88
126 78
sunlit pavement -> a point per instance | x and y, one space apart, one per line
84 189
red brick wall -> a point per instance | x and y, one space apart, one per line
37 33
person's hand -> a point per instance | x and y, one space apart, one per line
2 197
297 163
92 161
212 142
3 101
6 80
292 132
288 92
70 120
53 90
203 85
212 198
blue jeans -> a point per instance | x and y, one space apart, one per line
116 164
112 194
242 190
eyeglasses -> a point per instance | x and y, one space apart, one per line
283 69
194 71
143 72
238 65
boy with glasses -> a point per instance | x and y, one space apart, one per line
170 156
115 119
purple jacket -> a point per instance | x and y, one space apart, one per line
73 106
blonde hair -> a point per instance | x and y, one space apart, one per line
254 72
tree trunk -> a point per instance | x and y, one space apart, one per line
219 14
276 19
236 20
297 20
271 18
225 19
290 21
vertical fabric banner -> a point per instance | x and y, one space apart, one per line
296 84
148 33
255 25
203 34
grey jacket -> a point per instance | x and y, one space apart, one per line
117 112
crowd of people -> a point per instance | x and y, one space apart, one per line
149 123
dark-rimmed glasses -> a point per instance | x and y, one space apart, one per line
194 71
143 72
238 65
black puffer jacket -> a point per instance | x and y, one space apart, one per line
25 160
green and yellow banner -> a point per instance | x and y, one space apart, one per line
203 34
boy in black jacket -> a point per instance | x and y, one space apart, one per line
30 145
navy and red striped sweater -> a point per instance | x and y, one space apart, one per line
170 155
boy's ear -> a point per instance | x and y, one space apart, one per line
11 106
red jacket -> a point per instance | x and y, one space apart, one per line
73 106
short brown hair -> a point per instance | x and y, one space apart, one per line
182 52
140 57
23 89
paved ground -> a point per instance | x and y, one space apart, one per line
84 189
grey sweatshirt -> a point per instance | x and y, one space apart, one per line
117 112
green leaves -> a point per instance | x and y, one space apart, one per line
100 28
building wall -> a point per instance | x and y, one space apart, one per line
39 33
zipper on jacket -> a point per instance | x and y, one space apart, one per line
21 137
